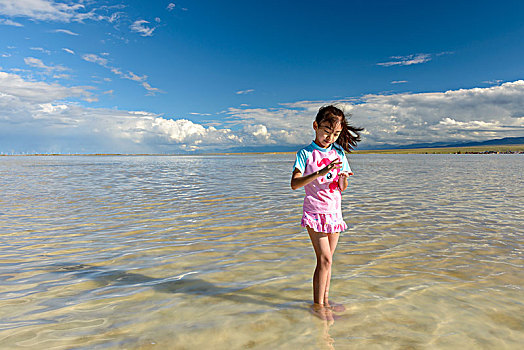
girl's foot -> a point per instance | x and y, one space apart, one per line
335 307
322 312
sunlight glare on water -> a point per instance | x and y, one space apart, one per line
192 252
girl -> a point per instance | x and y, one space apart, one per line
323 170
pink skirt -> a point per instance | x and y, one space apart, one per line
325 223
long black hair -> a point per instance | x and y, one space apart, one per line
349 136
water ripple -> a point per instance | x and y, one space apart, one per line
206 251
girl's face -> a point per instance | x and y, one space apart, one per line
326 134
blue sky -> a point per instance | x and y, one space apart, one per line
200 76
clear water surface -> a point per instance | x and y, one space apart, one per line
196 252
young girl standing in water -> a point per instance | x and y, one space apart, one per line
322 168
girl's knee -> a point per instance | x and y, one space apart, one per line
325 261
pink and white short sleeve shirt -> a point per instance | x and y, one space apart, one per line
323 194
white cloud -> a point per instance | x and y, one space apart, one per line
244 92
151 90
465 114
139 27
56 11
65 31
288 124
62 76
445 53
37 63
42 10
95 59
32 111
69 51
401 119
259 134
41 49
492 82
407 60
473 124
8 22
28 93
195 113
171 6
129 75
134 77
114 17
399 81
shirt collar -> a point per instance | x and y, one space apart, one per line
317 147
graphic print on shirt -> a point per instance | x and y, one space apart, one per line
331 177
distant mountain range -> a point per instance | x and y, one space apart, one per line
295 148
495 142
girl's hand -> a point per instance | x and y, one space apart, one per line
343 181
334 164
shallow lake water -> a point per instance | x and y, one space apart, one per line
206 252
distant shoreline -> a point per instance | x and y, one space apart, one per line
496 149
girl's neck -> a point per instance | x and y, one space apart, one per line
318 145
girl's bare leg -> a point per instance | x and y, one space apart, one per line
324 246
333 241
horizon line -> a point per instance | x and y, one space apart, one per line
453 149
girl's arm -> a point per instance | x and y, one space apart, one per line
297 180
